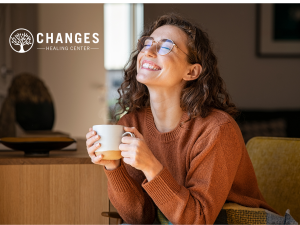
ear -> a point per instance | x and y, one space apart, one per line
193 72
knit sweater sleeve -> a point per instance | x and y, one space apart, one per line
214 160
127 195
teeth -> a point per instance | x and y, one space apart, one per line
148 66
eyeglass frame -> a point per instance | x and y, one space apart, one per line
139 40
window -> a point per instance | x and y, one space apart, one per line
123 25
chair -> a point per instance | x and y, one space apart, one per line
276 163
114 217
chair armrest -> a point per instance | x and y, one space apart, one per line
111 215
114 215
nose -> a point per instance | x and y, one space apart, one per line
151 51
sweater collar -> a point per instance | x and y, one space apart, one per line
167 136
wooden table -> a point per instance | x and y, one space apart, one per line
64 188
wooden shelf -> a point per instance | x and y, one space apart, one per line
64 188
55 157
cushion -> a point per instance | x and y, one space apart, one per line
233 213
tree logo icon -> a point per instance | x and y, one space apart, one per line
21 40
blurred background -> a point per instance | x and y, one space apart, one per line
258 48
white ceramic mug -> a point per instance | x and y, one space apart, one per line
110 139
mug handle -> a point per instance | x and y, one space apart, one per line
131 134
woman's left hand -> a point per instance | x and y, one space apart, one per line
137 154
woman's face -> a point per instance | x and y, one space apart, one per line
170 68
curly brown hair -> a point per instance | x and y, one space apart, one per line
198 96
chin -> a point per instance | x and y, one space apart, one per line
142 78
147 77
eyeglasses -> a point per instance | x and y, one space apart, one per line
163 47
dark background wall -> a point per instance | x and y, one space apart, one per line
14 16
75 79
253 82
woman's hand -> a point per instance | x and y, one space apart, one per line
137 154
92 137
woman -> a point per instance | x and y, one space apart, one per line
188 157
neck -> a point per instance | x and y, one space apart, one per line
166 114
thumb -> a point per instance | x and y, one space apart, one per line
134 131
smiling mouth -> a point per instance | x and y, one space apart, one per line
148 66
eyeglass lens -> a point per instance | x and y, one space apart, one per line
163 47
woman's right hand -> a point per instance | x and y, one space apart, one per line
91 138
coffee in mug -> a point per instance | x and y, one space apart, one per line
110 139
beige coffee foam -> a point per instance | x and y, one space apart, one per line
110 155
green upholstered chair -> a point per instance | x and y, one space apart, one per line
276 163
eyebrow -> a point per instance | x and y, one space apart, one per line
165 38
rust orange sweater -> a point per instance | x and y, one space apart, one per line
205 164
